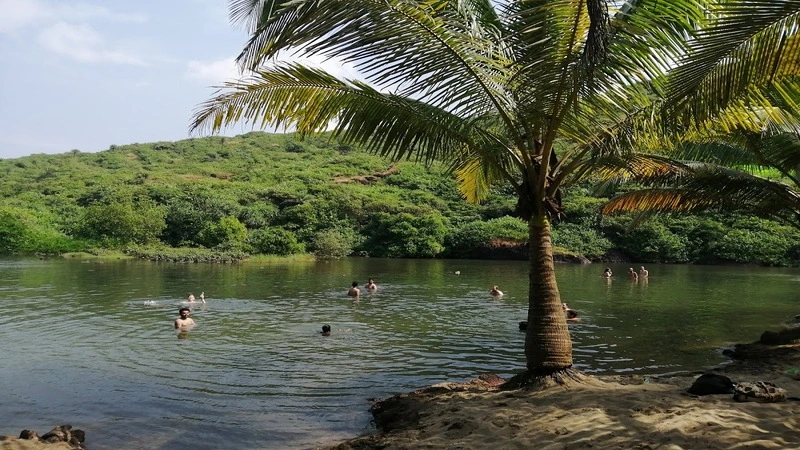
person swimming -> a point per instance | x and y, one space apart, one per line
326 330
184 322
607 273
354 291
496 292
371 286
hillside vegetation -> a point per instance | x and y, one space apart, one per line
227 198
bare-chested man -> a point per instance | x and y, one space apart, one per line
354 291
184 322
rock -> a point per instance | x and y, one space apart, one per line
783 337
60 437
711 384
28 434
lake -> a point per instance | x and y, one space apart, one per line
92 343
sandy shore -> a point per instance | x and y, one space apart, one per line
632 412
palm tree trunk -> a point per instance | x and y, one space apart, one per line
548 347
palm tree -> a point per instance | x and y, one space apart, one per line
528 93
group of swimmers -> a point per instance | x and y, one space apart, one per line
355 292
632 274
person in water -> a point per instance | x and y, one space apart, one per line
632 275
184 322
570 313
354 291
190 298
326 330
607 272
643 273
371 286
496 292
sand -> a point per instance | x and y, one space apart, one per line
628 412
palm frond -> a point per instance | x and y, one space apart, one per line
475 178
751 43
713 188
447 53
252 13
311 100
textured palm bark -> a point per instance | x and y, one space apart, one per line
548 347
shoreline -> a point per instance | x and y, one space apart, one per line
610 411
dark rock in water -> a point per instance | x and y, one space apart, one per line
61 433
523 325
711 384
783 337
28 434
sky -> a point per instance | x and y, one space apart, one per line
88 74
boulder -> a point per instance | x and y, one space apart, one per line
711 384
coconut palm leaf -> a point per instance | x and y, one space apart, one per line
310 100
751 43
713 188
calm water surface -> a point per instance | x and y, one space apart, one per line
92 343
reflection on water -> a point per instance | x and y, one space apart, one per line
93 343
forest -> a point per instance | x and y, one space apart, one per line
232 198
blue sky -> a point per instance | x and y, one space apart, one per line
87 74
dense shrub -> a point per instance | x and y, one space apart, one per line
333 243
405 235
227 230
581 240
757 241
274 241
118 224
470 239
647 242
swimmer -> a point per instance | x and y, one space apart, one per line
632 275
354 291
571 314
184 322
203 296
371 286
607 272
643 273
190 298
496 292
326 330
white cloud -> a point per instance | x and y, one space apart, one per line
85 11
212 72
216 72
19 14
82 43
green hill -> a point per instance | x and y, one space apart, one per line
227 198
250 194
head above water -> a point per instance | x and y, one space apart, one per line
326 328
355 283
184 311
